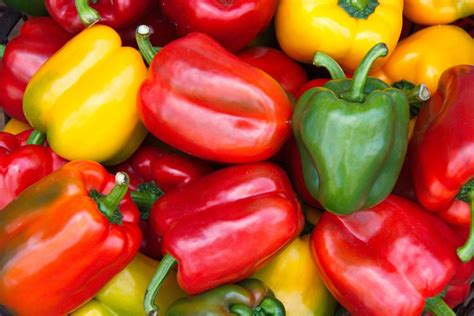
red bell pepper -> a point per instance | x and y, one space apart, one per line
282 68
166 170
311 84
392 259
114 13
64 238
224 226
204 101
38 40
441 152
233 24
23 163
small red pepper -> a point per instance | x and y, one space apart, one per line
274 62
76 15
204 101
441 152
224 226
23 162
392 259
38 40
311 84
64 238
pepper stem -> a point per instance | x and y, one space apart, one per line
420 93
161 272
438 307
2 50
142 36
144 197
36 138
88 15
109 204
324 60
359 9
360 75
466 252
269 306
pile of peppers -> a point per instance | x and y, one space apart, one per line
249 158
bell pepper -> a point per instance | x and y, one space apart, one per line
123 295
249 297
346 165
31 7
23 161
15 127
76 15
440 155
84 98
246 120
153 171
343 29
319 82
391 259
430 52
214 227
64 238
437 11
232 23
296 283
38 40
283 69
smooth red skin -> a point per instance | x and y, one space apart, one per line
66 252
385 260
282 68
202 100
311 84
441 152
233 23
168 170
38 40
224 226
114 13
22 165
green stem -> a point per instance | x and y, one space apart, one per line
420 93
241 310
438 307
164 267
88 15
362 71
109 204
324 60
360 4
466 252
2 50
272 307
144 197
359 9
36 138
142 36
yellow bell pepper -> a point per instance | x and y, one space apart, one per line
294 280
344 29
431 12
124 294
15 126
425 55
84 98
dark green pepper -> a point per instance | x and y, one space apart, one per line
352 135
31 7
250 297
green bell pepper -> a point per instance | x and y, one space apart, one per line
352 136
31 7
250 297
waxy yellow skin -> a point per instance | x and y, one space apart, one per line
425 55
84 98
431 12
304 27
15 127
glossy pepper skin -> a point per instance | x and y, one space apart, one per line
249 297
31 7
57 223
346 165
437 11
335 27
38 40
386 260
246 121
114 13
92 80
233 24
123 295
283 69
22 164
430 51
15 126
